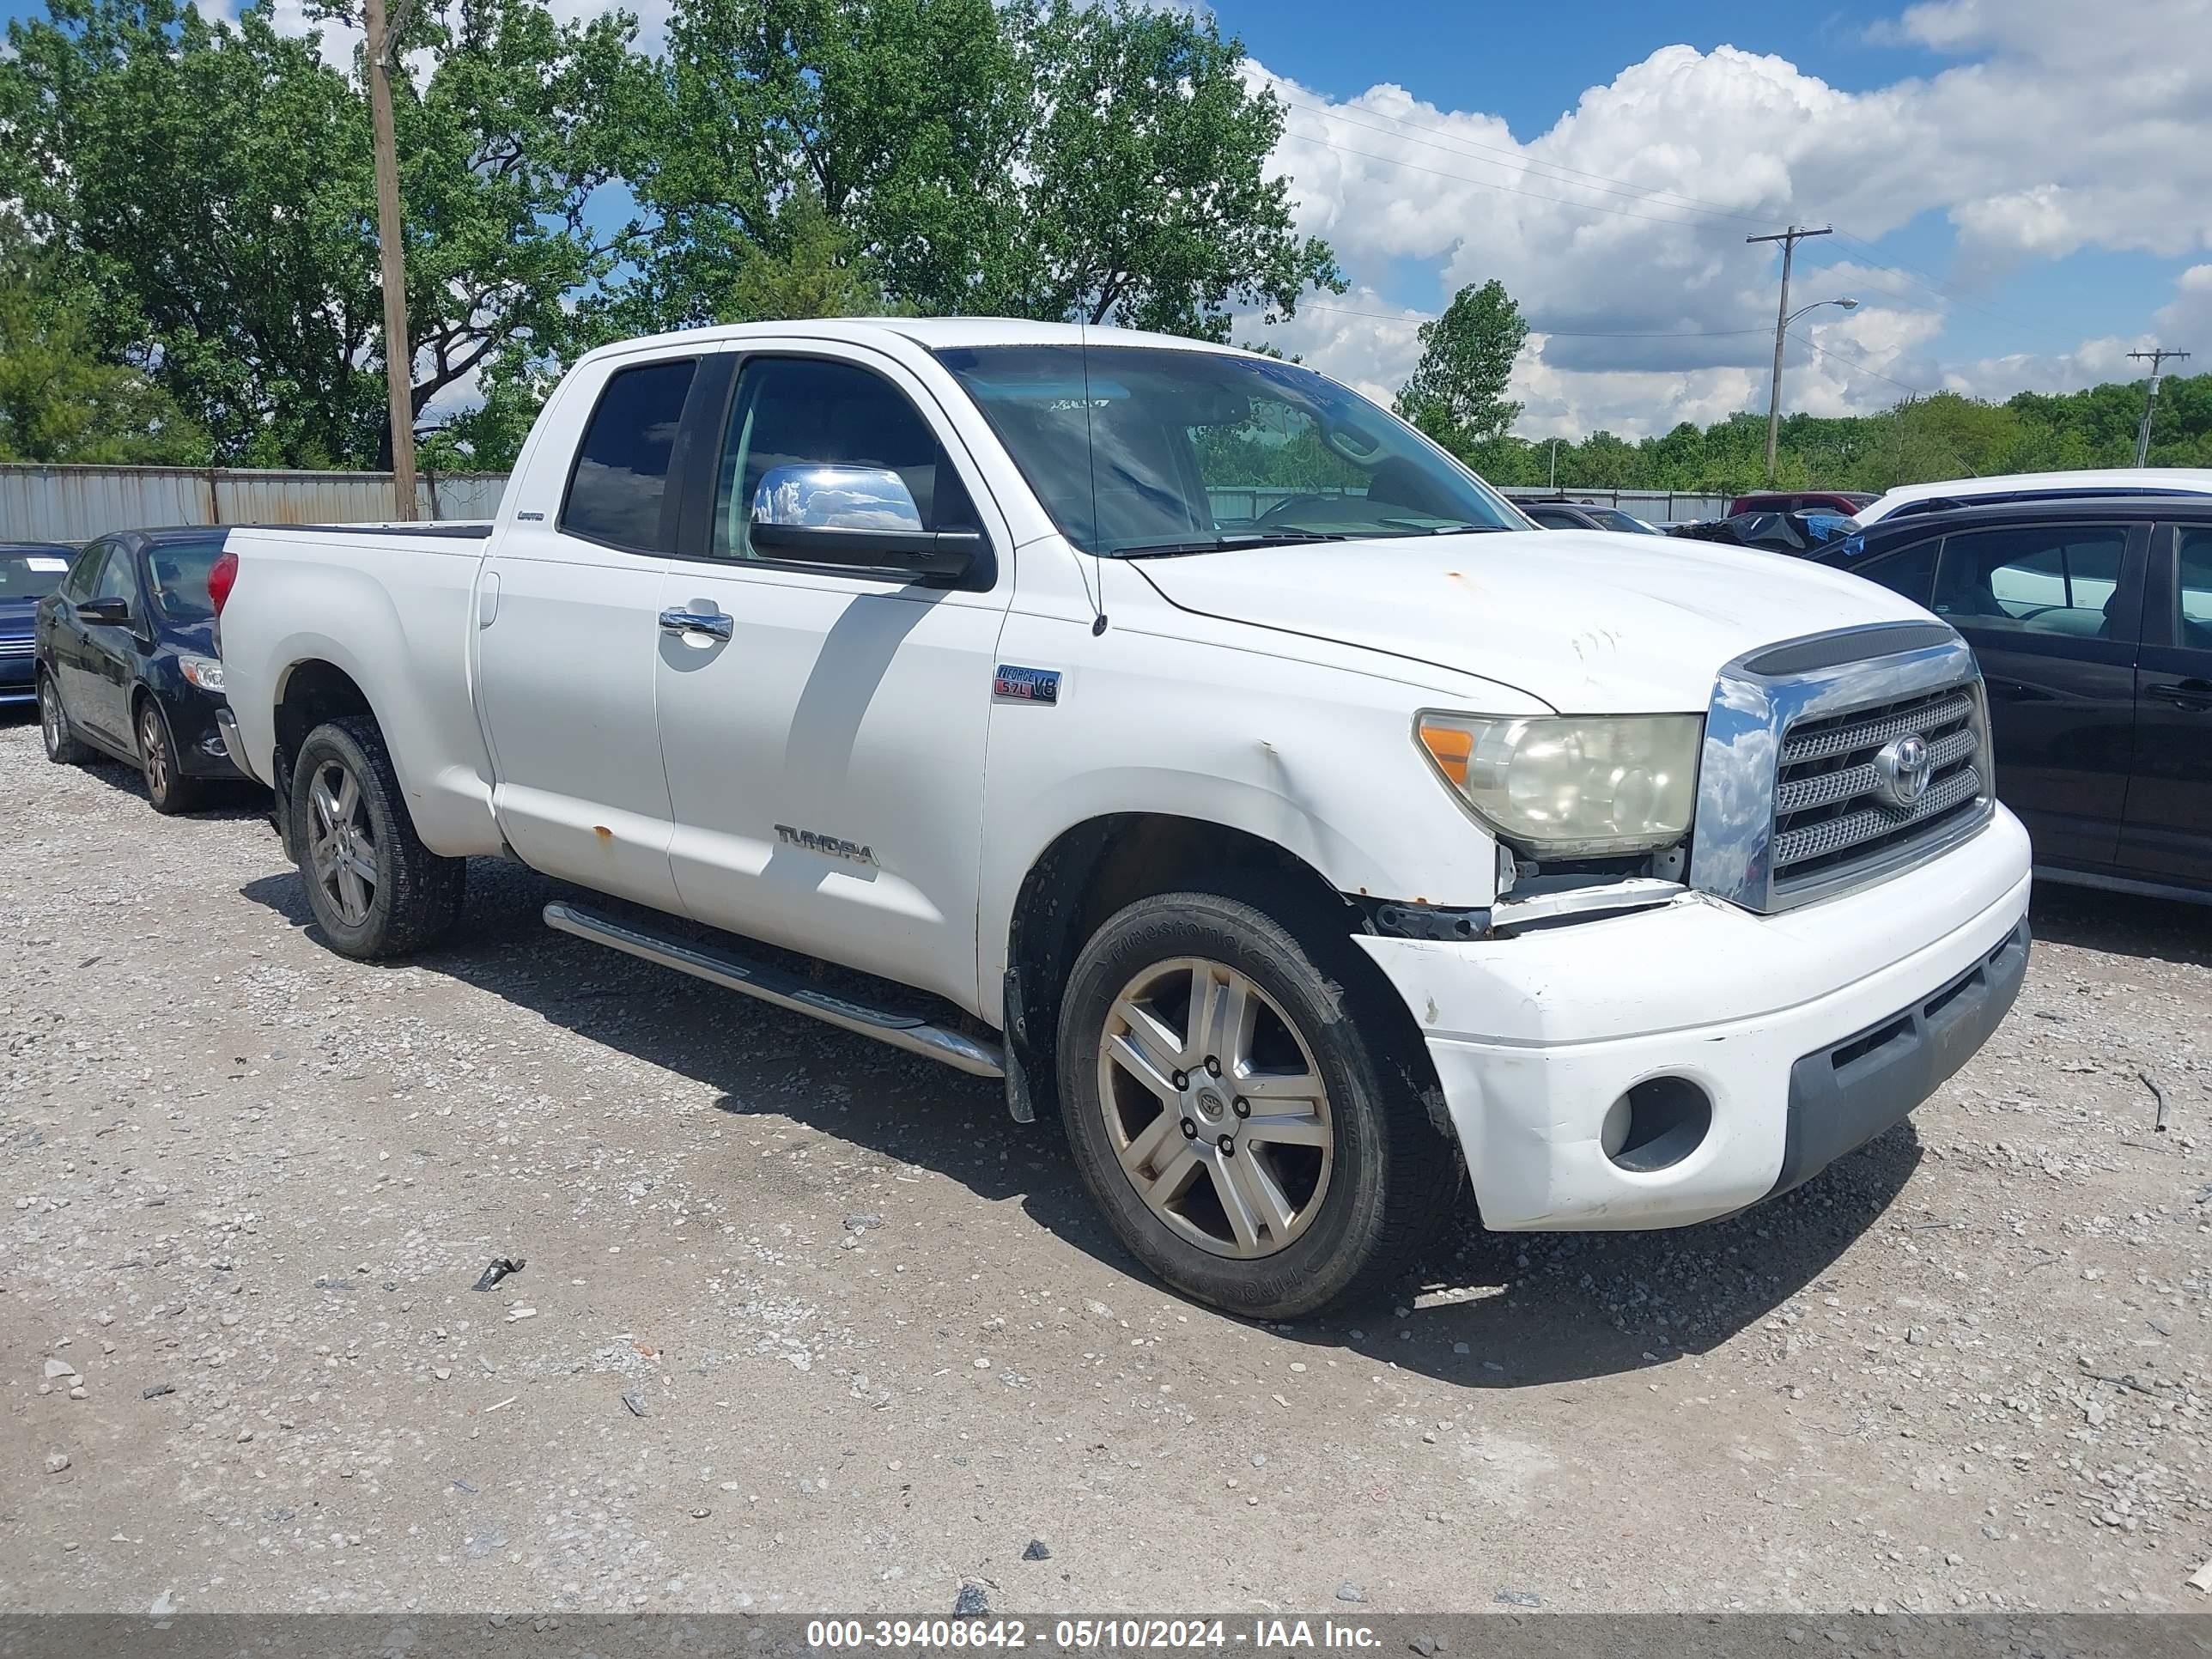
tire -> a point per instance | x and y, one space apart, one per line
1357 1179
375 889
167 789
63 748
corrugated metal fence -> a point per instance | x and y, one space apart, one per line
76 503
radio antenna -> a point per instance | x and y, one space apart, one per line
1090 457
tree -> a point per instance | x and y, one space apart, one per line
1044 159
59 401
211 185
1457 392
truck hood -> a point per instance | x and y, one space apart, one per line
1590 622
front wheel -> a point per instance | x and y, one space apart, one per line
375 889
1246 1135
167 789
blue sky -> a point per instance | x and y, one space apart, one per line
2022 189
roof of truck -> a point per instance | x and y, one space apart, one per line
935 333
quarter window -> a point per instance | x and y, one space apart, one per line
2054 579
620 485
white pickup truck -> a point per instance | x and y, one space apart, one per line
1175 733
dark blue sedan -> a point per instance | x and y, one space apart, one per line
29 572
126 662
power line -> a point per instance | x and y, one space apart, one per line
1866 368
2157 355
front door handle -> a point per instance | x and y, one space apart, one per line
2184 693
695 621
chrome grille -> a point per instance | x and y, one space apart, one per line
1828 819
17 648
1795 792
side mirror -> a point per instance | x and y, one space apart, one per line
114 613
857 517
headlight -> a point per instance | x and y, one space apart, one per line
205 672
1572 787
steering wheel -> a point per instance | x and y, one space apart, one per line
1282 509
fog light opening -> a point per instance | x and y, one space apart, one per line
1656 1124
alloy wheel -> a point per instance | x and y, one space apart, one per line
154 752
1215 1108
341 848
50 715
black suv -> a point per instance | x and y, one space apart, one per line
2092 618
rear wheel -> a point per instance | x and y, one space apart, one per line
168 788
1246 1134
62 748
374 888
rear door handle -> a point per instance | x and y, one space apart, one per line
695 621
2186 694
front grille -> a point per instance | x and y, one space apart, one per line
17 648
1828 820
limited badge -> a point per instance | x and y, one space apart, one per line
1012 684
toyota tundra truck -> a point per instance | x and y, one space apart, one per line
1173 733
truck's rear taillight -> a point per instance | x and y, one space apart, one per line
223 576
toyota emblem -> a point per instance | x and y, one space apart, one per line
1901 770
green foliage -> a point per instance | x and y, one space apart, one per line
212 185
59 401
1457 393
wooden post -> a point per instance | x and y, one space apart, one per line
398 356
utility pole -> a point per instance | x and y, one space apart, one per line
1788 239
399 359
2158 355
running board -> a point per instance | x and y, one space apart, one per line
975 1056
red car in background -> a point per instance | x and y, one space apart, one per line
1844 502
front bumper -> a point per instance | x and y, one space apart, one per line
1535 1038
19 670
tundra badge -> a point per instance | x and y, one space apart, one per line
831 846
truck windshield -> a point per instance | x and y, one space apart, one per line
1140 450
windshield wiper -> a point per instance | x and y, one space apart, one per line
1415 527
1230 542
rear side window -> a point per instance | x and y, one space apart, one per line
1910 571
2193 595
2051 578
620 483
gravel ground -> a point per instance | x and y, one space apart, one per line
807 1325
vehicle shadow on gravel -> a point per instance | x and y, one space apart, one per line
2122 924
225 801
1486 1311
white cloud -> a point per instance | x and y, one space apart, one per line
2067 126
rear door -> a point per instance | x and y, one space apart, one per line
2169 827
2053 612
567 626
824 730
110 653
65 644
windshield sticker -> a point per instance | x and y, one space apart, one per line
37 562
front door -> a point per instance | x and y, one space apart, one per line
2052 612
824 743
568 626
2169 830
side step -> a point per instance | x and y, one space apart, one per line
975 1056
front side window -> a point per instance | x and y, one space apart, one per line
2052 579
84 574
1137 450
117 579
620 483
818 414
2193 594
